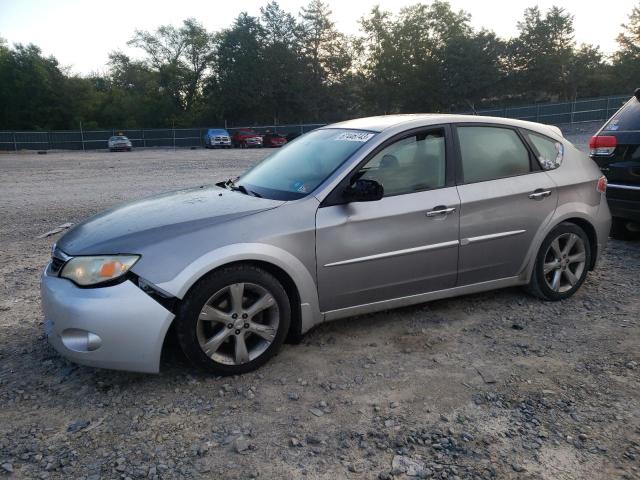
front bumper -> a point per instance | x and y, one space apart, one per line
118 327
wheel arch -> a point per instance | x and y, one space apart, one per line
588 228
295 328
289 270
582 221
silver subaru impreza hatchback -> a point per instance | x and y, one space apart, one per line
356 217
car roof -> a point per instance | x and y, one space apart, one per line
217 130
385 122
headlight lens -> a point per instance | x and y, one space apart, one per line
93 270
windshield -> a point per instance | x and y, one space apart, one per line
118 138
299 167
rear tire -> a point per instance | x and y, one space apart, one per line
233 320
620 230
562 263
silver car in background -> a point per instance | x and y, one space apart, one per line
355 217
119 142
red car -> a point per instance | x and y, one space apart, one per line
273 140
246 138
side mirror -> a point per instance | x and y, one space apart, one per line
364 190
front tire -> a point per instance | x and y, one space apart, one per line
561 264
233 320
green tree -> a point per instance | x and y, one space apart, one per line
283 86
238 82
181 56
30 92
540 56
327 57
427 58
626 61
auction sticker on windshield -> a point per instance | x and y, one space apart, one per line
353 136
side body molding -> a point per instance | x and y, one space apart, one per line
305 282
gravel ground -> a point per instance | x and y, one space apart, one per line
495 385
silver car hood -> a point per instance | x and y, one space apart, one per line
131 227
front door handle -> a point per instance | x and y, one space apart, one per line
539 194
440 210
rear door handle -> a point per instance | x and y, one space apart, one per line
539 194
440 210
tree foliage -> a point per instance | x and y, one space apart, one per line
284 67
626 61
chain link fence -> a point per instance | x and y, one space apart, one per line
140 138
585 110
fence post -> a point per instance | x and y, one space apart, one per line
15 143
82 136
606 112
573 109
538 113
144 140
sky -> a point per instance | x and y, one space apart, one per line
80 34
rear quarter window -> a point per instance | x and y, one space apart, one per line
549 152
627 118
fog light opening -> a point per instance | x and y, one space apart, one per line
80 340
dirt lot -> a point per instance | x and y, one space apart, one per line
496 385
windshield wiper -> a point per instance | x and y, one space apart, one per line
231 185
238 188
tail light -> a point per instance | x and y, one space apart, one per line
602 184
602 145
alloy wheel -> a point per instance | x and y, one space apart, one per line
238 323
564 262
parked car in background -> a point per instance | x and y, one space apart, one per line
355 217
119 143
273 140
217 138
292 136
616 150
246 139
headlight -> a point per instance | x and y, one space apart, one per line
93 270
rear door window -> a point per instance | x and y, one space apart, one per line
488 153
628 118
